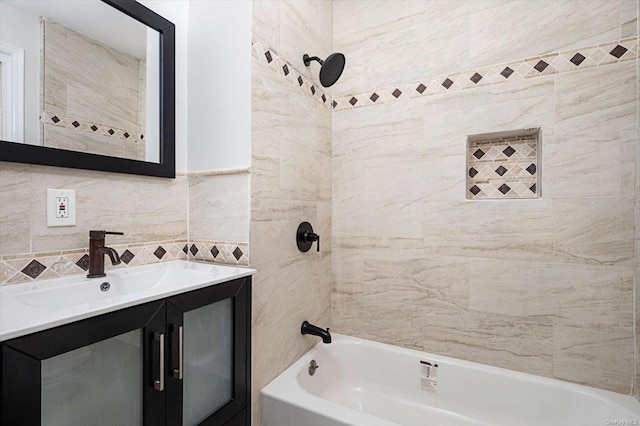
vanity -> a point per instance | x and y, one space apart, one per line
167 343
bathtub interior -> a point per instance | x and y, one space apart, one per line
384 381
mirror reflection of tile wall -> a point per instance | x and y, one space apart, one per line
94 96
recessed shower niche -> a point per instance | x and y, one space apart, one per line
504 165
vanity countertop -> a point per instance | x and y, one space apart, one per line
37 306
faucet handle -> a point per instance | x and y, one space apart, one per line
99 235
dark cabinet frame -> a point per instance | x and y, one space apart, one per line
20 358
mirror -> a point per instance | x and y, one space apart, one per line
87 84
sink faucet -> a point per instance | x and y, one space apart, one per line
316 331
97 250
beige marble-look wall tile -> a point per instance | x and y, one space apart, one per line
305 27
15 209
144 208
598 231
219 207
493 339
553 293
595 110
497 229
593 357
508 30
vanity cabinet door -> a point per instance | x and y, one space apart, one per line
99 371
209 362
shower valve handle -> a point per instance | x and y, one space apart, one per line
305 237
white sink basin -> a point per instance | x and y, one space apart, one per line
80 290
25 308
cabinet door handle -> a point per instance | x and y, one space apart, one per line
159 384
178 372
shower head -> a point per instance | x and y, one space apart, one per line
330 69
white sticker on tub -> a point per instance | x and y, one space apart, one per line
429 376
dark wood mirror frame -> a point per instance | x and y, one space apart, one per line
33 154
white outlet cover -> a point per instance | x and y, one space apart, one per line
52 195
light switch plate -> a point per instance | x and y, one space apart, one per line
61 207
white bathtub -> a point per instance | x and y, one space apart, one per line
360 382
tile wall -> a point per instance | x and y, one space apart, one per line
290 183
543 286
76 114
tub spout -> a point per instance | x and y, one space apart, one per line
316 331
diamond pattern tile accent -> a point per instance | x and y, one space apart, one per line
396 93
353 101
34 269
300 81
504 188
237 253
285 69
215 252
618 51
421 88
324 98
533 188
478 154
509 151
193 249
374 97
476 78
447 83
334 104
126 135
75 124
506 73
160 252
111 132
500 165
267 55
94 128
577 59
127 256
83 262
541 65
185 249
313 90
55 119
474 190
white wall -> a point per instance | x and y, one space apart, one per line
23 30
177 11
219 84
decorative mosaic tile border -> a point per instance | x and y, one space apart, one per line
552 63
265 54
503 166
55 119
26 268
219 252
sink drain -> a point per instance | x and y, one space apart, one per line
105 286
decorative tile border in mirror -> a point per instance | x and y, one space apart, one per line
55 119
548 64
503 165
41 266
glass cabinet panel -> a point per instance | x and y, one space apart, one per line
98 384
208 360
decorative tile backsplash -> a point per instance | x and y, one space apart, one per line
40 266
503 165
